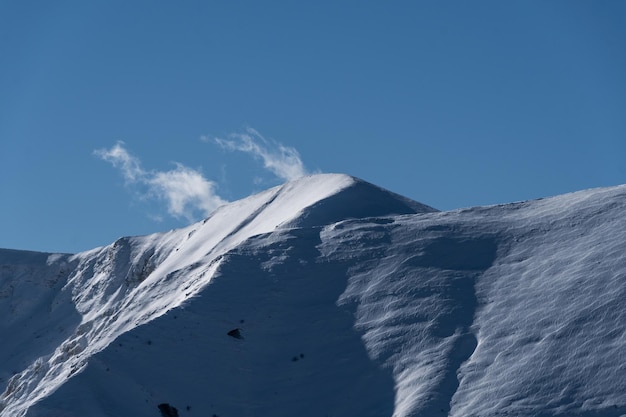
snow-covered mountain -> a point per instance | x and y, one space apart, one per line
329 296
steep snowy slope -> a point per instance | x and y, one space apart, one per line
35 312
117 288
330 297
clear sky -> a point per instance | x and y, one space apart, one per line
130 117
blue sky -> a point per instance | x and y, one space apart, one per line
453 104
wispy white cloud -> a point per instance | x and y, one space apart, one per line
184 190
119 157
282 161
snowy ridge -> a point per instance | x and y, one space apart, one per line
348 300
131 282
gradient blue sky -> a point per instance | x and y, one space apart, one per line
453 104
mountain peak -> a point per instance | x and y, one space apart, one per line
355 199
314 200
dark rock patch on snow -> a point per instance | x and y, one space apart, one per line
167 410
236 333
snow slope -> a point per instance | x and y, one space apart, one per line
345 300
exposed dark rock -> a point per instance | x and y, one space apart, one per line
167 410
236 333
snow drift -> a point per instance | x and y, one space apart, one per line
329 296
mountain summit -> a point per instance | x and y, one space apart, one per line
329 296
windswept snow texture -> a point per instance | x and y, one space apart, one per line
329 296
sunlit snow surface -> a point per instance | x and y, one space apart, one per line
349 301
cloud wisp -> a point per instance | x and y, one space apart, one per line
282 161
184 190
